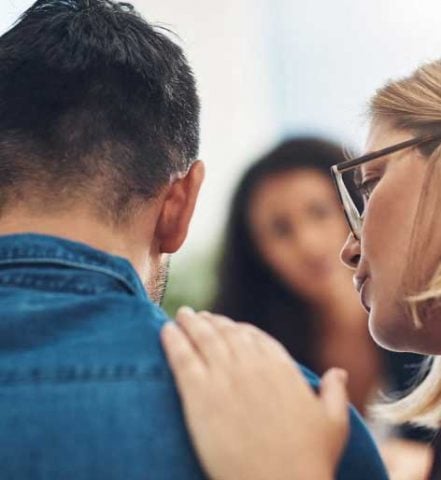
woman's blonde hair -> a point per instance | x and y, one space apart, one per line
414 103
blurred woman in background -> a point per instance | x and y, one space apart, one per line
280 267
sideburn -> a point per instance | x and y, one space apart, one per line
157 284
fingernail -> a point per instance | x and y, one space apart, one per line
169 327
341 374
185 310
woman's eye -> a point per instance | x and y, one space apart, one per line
281 228
319 211
367 187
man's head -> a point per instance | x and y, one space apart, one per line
99 113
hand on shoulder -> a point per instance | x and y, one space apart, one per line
249 410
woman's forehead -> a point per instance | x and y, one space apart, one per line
382 135
375 164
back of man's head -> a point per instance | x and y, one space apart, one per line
95 105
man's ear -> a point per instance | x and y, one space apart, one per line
177 209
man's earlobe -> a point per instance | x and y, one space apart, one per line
177 209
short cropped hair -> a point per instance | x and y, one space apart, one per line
94 103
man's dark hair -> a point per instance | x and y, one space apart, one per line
95 103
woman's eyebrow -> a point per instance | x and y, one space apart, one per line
375 164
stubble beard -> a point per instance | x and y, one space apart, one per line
157 284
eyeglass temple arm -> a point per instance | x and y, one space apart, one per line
350 164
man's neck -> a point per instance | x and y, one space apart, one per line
77 225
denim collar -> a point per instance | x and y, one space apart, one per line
35 249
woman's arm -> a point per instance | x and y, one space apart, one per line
248 408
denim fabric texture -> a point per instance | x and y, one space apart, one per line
85 390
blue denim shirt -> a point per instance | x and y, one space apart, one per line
85 391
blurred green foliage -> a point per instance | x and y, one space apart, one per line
192 282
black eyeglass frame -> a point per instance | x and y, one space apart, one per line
353 217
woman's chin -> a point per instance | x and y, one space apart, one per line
396 331
391 330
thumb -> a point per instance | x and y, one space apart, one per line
334 395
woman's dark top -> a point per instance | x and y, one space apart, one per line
435 474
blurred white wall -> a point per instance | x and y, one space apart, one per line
266 68
225 42
333 55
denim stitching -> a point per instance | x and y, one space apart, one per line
70 374
23 281
67 253
65 263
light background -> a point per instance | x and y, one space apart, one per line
268 68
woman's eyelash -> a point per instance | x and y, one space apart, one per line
367 186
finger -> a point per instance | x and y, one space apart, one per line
249 344
184 360
254 347
204 337
221 323
239 337
268 343
271 350
333 392
225 326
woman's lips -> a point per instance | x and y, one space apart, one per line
361 284
364 296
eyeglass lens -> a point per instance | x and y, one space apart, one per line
351 183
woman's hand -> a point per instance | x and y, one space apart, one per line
248 408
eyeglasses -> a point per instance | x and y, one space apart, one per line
350 195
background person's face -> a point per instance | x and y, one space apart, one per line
381 257
297 226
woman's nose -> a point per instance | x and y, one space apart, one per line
350 253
